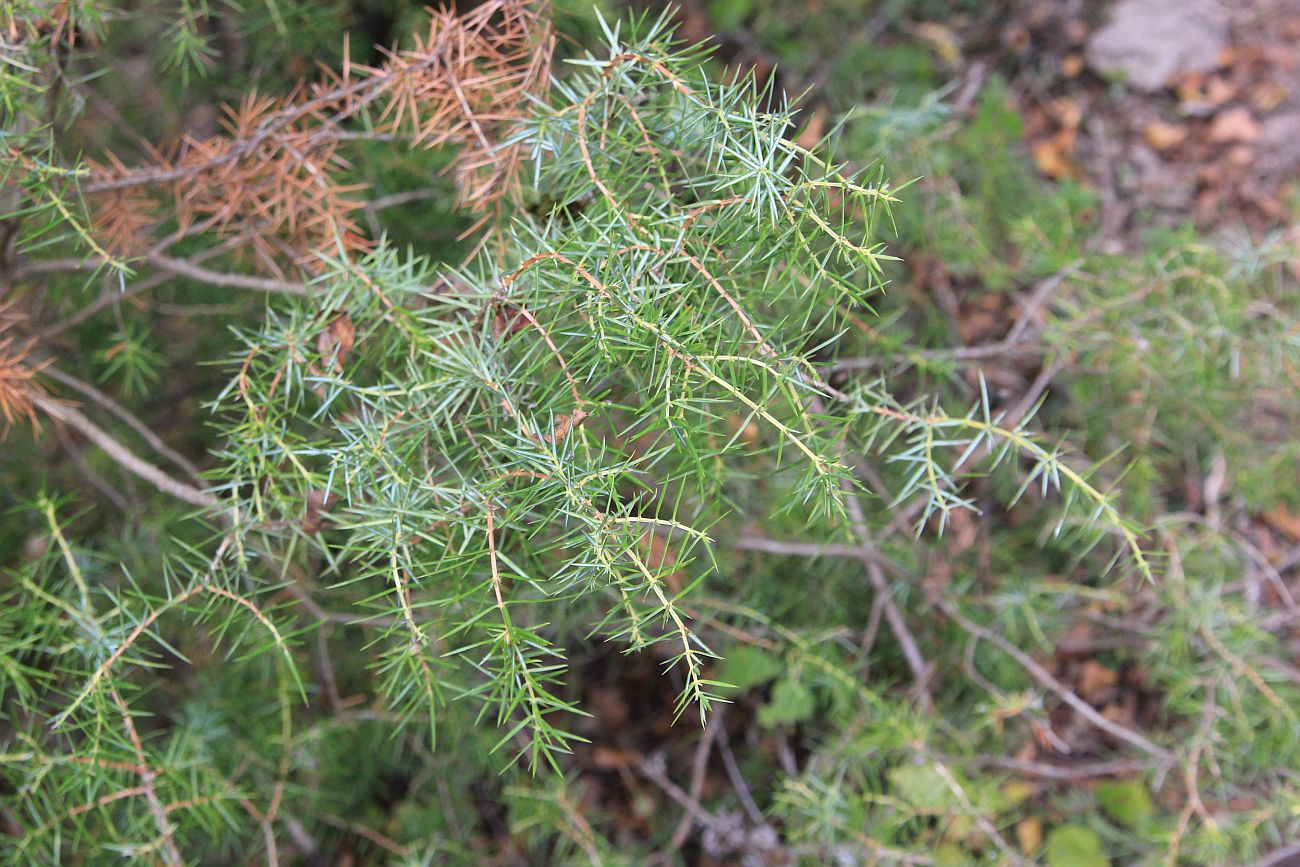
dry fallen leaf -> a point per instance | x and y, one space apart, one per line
1118 714
1163 136
508 320
317 509
610 759
1283 520
1240 156
1095 679
1029 834
1191 88
1236 125
747 428
942 39
1077 640
1267 97
1053 160
1218 90
1067 111
963 531
1018 791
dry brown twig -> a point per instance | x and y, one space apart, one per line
273 179
1045 679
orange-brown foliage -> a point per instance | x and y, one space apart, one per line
18 390
271 182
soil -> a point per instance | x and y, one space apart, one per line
1215 145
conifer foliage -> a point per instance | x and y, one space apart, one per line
430 493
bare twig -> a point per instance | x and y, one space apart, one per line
652 769
188 269
786 548
114 296
738 779
1043 770
140 428
1014 345
1045 678
983 352
893 615
1287 856
699 768
73 418
96 480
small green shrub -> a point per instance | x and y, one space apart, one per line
463 503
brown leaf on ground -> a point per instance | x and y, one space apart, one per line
1284 521
1163 136
1053 160
941 38
747 428
984 318
1095 680
1268 96
1068 113
508 320
1240 156
1029 835
315 515
1236 125
609 759
1203 90
963 532
1077 640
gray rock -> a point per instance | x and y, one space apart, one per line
1279 143
1147 42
